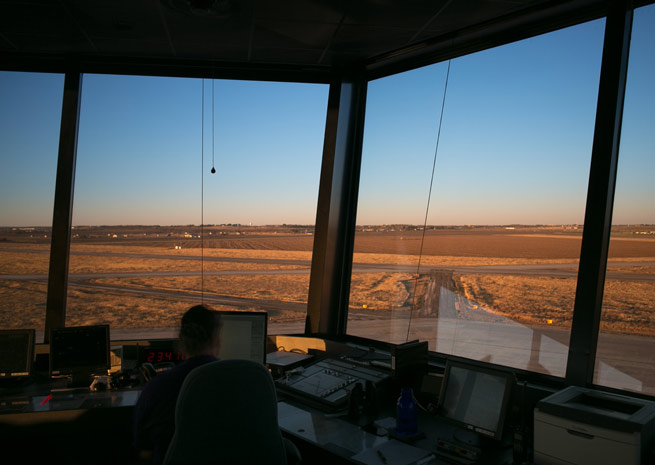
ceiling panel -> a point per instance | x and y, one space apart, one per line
411 14
294 56
305 32
293 34
23 18
313 11
136 22
116 46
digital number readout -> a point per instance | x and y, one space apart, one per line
157 356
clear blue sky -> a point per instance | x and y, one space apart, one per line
515 142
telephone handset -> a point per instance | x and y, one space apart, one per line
149 371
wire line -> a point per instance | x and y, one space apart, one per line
212 123
202 195
427 209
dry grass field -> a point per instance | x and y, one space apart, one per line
379 291
23 263
627 305
22 304
526 299
158 301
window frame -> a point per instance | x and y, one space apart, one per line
600 196
333 253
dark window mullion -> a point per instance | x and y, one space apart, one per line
63 204
600 196
336 210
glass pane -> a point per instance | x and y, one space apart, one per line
627 333
144 187
492 275
30 116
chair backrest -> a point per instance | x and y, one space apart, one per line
226 413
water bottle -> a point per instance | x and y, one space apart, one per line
406 413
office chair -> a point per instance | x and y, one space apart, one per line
226 413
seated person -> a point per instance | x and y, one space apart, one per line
154 413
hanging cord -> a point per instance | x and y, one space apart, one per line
202 196
427 209
213 168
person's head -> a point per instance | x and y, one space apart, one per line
199 333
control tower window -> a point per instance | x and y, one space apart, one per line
156 231
627 328
470 221
30 114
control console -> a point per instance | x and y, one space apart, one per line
327 383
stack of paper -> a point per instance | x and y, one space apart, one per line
394 452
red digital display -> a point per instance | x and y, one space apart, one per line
159 356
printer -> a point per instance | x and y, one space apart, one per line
584 426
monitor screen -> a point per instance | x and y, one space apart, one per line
409 360
475 398
79 350
243 336
16 352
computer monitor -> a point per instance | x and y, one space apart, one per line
409 362
475 398
243 335
79 352
16 353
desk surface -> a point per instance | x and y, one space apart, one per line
349 441
42 398
331 433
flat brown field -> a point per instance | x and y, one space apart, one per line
627 305
493 245
22 263
475 243
151 301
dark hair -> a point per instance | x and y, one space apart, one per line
197 330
